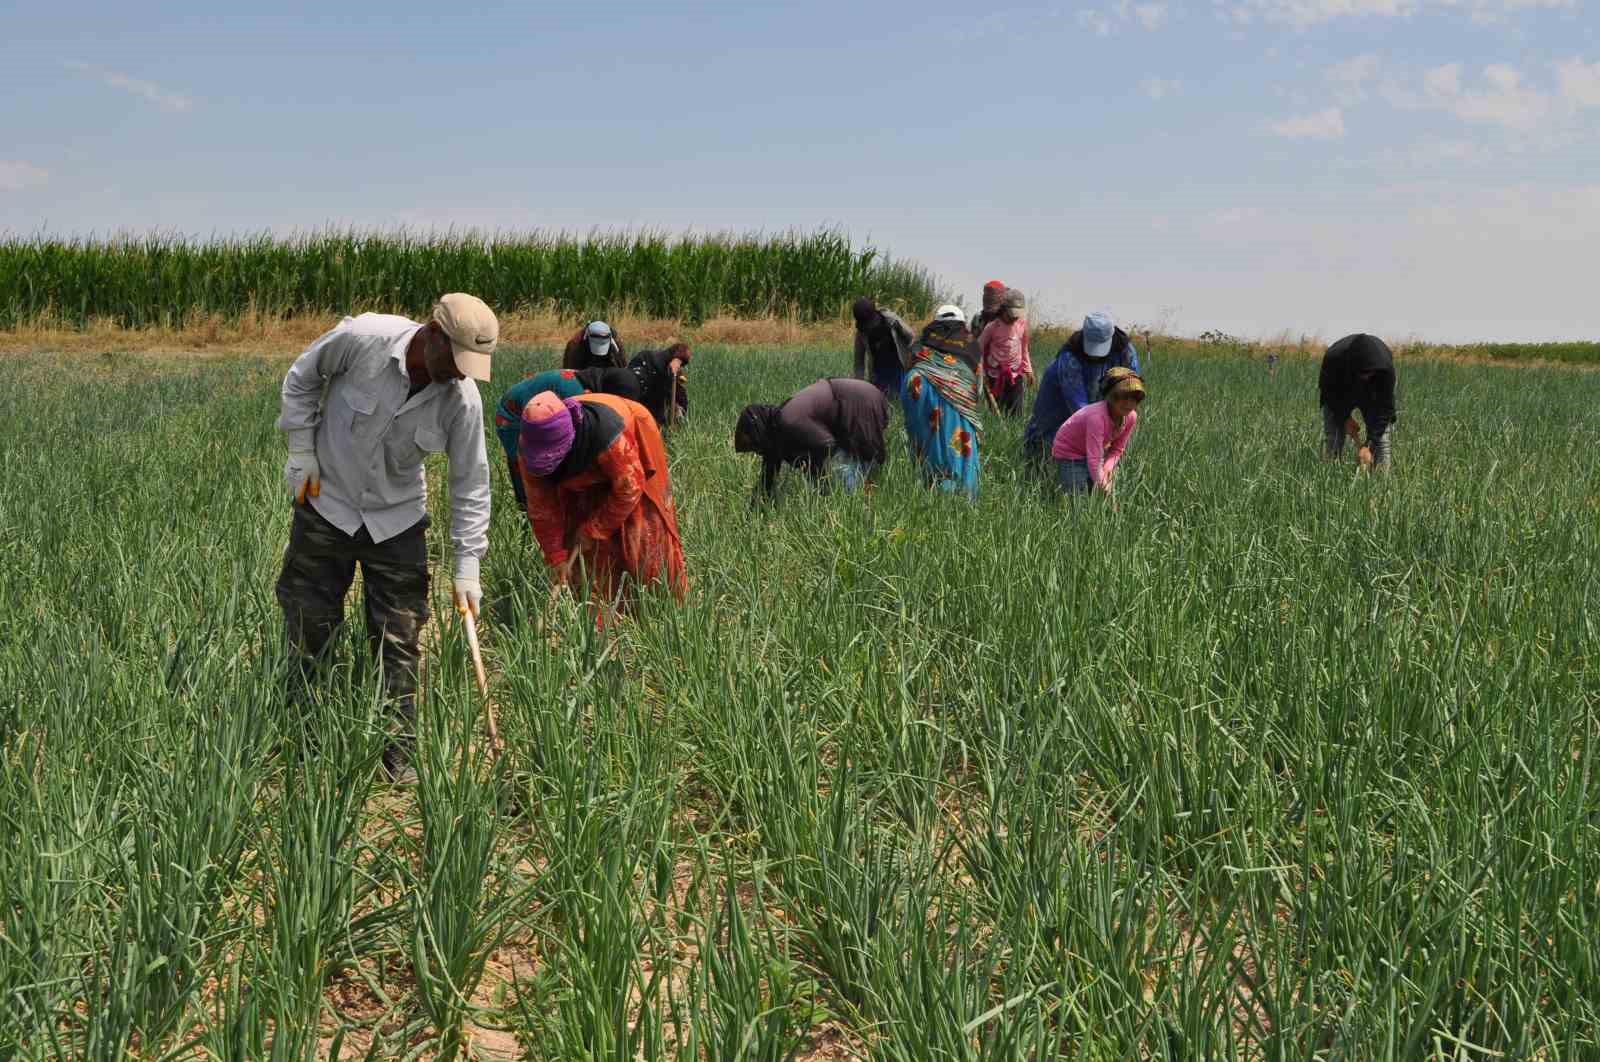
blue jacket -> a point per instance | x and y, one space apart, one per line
1071 382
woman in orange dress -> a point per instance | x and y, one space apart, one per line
599 496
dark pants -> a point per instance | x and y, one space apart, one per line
319 566
1010 399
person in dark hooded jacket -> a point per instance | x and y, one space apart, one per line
883 339
657 371
1358 373
1072 381
832 428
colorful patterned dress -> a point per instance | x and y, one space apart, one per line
618 514
940 400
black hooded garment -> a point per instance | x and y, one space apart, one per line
1342 390
653 370
620 382
834 414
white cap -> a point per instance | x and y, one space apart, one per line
599 335
949 312
472 329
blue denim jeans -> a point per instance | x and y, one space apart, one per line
1074 474
848 474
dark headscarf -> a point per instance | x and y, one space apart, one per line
865 311
759 424
595 427
952 337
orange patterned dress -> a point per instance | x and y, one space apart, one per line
617 514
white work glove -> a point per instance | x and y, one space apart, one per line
468 595
303 475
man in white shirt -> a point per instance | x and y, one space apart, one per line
396 391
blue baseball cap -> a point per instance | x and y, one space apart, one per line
599 336
1098 331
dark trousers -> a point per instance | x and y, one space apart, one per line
1010 399
318 567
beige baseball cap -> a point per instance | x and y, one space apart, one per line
472 329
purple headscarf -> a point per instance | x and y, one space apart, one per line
543 443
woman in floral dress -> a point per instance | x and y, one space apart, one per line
940 399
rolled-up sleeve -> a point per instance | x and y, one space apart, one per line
469 490
301 408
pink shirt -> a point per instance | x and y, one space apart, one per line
1005 349
1088 435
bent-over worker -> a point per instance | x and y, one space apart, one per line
883 339
1358 373
832 430
563 383
595 345
1073 379
599 494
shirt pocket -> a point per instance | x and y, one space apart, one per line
407 449
363 407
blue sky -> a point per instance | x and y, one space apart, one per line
1420 168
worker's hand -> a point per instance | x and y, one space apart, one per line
561 573
303 475
1351 428
1364 455
468 596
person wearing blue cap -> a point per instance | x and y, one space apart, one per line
596 346
1072 381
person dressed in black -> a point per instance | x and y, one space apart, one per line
1358 373
882 342
832 430
662 381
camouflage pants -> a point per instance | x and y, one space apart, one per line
318 568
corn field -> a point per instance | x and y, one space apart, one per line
1279 761
163 280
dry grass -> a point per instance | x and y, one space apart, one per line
204 338
286 336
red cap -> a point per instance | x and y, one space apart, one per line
995 284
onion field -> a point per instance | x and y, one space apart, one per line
1282 760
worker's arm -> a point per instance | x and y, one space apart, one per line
469 488
620 464
301 396
861 355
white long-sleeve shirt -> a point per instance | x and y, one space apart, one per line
370 439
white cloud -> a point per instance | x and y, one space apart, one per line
1505 102
1096 22
1443 82
16 175
1160 88
1351 79
1150 16
1431 154
1104 21
1303 13
1325 124
1234 218
1580 81
146 90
